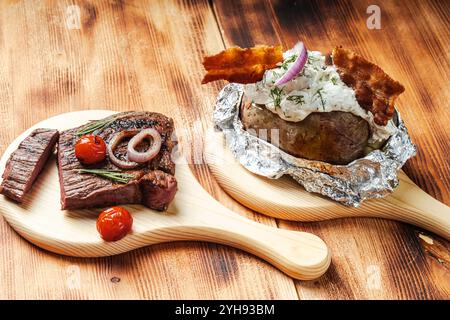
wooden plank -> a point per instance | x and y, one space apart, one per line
126 55
372 258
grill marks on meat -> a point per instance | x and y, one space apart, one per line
25 164
154 185
375 91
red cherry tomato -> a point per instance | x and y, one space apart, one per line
90 149
114 223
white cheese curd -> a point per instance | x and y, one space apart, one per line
317 88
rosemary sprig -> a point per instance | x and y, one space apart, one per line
298 99
117 176
275 94
94 125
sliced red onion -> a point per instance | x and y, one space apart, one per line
112 145
151 152
296 67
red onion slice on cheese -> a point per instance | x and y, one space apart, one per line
296 67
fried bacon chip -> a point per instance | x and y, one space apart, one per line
242 65
375 91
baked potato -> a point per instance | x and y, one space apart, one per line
324 109
335 137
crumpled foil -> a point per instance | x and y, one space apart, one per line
373 176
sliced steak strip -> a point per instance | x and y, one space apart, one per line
154 185
25 164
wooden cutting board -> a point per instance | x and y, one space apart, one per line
285 199
193 215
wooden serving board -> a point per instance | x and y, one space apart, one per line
193 215
285 199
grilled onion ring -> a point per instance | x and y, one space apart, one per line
152 151
112 145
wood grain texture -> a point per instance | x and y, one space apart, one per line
284 199
193 215
146 55
411 46
141 55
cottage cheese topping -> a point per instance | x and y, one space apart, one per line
318 88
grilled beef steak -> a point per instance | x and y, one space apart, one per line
154 184
25 164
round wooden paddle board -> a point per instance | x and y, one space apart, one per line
285 199
193 215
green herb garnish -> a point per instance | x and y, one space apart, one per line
94 125
275 94
117 176
298 99
319 92
312 59
275 75
334 80
285 63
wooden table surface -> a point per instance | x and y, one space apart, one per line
146 55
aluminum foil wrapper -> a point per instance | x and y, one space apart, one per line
373 176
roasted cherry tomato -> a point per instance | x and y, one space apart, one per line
114 223
90 149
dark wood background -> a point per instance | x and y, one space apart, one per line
146 55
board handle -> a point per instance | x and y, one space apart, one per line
285 199
300 255
413 205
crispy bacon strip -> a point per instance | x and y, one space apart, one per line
374 89
241 65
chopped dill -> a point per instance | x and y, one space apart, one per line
312 59
334 80
275 94
285 63
286 115
319 93
298 99
276 75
